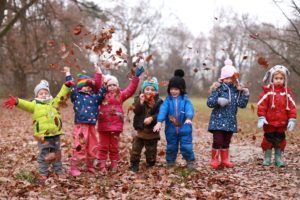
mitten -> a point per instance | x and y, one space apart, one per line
223 101
11 102
69 83
261 121
139 70
291 124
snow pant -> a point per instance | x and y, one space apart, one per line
274 140
186 146
49 145
109 144
84 144
221 139
150 149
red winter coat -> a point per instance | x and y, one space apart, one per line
111 115
277 117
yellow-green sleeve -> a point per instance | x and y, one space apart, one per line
62 95
26 105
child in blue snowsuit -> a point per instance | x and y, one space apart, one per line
178 112
225 98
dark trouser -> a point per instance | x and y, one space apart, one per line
137 147
221 139
274 139
51 144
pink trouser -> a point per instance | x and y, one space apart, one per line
84 144
109 143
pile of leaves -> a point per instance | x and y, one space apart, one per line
248 180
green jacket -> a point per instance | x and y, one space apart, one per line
46 117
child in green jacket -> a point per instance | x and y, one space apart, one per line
46 122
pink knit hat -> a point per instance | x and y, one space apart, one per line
228 70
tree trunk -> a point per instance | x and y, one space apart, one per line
20 82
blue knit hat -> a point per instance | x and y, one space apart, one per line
152 82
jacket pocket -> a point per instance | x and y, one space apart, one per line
37 127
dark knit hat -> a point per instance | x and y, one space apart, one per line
177 82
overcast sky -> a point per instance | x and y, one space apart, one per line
198 15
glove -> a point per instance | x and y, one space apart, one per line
223 101
291 124
11 102
246 91
261 121
69 83
139 70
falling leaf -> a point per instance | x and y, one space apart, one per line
206 68
163 83
204 64
263 62
54 66
252 108
77 29
65 55
195 70
119 52
216 18
189 47
253 137
245 57
63 47
254 36
51 43
148 58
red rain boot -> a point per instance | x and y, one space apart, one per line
225 158
214 163
114 165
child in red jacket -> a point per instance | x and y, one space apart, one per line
277 113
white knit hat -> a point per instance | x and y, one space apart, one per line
268 79
42 85
109 79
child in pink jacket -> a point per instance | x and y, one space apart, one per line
111 118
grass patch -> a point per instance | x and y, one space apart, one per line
183 172
25 175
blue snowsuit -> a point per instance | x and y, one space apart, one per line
175 111
224 118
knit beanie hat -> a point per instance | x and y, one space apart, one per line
152 82
228 70
268 79
177 82
83 81
109 79
42 85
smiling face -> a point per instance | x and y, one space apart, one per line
175 92
43 94
112 88
149 91
86 89
278 78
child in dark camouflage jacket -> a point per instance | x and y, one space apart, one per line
146 107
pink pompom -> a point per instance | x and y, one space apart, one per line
228 62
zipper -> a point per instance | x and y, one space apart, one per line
176 110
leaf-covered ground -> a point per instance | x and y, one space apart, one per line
248 180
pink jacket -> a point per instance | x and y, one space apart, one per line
111 115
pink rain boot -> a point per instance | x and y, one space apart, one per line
102 166
114 165
74 171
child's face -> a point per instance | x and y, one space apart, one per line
112 87
175 92
86 89
43 94
227 80
149 91
278 79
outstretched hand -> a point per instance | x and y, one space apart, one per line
10 102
